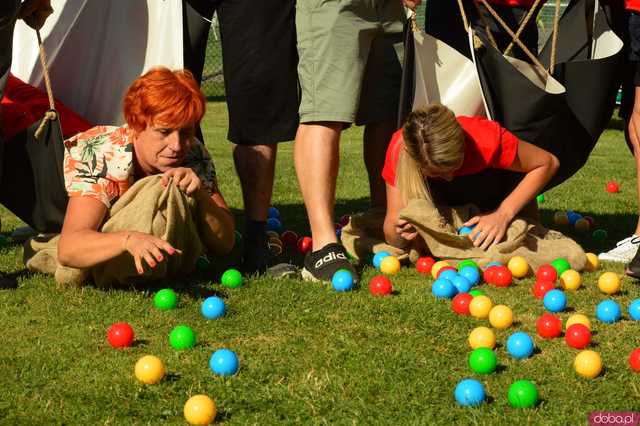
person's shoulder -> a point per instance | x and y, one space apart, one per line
98 133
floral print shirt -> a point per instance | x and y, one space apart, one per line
98 163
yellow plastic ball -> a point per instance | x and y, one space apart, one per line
501 316
518 266
570 280
592 262
560 218
149 369
437 266
582 225
390 265
588 364
609 283
482 337
480 306
578 319
200 410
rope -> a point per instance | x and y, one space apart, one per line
50 115
486 25
463 14
554 41
523 25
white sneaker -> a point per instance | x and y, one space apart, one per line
623 252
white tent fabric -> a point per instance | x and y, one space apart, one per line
95 49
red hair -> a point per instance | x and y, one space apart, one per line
162 96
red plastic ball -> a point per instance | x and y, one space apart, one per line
502 277
444 268
460 303
613 187
578 336
345 219
289 238
305 244
540 288
424 264
547 273
380 286
549 326
120 335
489 274
634 360
591 221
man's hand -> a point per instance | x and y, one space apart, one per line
185 179
35 12
412 4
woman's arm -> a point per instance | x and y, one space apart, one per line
398 233
216 218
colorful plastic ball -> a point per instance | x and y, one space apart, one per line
591 221
237 241
390 265
599 235
609 283
573 218
380 286
547 272
467 262
483 361
461 284
471 273
342 280
273 212
582 225
424 265
578 319
608 311
540 288
274 224
518 266
232 278
165 299
213 307
502 277
476 292
588 364
560 265
494 263
613 187
634 310
120 335
501 316
593 263
560 218
442 288
520 345
555 301
202 264
377 258
577 336
182 337
634 360
480 307
289 239
224 362
465 230
305 244
523 394
447 272
540 198
482 337
199 410
489 274
435 269
460 303
549 326
149 370
570 280
469 393
344 220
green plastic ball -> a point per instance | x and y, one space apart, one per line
540 198
202 264
523 394
467 262
475 293
232 278
182 337
599 235
165 299
560 265
483 361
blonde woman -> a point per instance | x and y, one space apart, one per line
434 144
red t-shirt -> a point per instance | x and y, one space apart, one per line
632 5
23 105
514 3
487 145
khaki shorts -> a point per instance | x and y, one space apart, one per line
350 56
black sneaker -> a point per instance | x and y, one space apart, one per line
259 260
322 264
633 268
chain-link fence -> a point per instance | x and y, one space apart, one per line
213 81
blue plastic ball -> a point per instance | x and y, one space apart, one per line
471 273
520 345
469 393
339 233
490 264
342 280
449 274
634 310
573 217
465 230
212 307
274 225
378 258
461 284
608 311
273 213
555 301
224 362
443 288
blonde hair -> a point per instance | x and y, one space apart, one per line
433 142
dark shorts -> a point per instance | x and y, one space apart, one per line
260 67
630 34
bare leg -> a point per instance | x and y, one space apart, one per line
376 140
255 166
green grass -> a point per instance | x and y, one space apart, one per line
308 354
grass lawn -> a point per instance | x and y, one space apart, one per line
309 354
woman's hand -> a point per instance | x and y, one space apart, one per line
147 247
406 230
489 228
185 179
